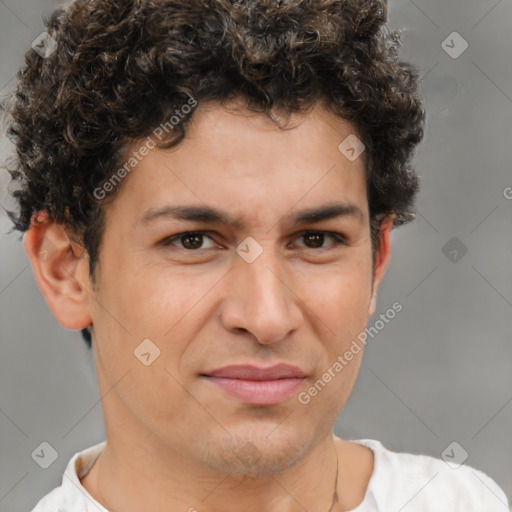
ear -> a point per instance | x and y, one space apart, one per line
382 257
60 267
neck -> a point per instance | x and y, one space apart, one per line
165 480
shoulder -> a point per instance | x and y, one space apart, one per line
421 482
54 501
71 496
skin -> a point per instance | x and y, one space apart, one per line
174 440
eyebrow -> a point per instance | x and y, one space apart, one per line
215 216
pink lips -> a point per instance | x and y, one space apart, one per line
258 386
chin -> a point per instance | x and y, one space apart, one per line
256 453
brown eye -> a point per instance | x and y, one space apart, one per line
315 239
192 240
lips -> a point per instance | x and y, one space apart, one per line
248 372
257 386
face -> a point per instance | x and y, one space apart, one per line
260 287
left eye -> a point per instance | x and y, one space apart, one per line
193 240
317 238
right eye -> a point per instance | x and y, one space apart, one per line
189 240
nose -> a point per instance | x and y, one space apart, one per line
262 300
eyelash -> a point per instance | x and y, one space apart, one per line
338 237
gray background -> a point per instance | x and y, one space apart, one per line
439 372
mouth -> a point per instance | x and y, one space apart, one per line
257 386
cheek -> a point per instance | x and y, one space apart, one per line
170 300
143 302
136 308
157 303
340 296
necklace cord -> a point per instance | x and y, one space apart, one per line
335 495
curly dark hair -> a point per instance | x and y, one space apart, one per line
121 68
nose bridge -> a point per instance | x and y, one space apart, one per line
265 279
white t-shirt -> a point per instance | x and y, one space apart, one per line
400 482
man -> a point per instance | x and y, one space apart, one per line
208 191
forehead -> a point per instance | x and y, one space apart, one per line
234 159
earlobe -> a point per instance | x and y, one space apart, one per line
382 257
60 271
